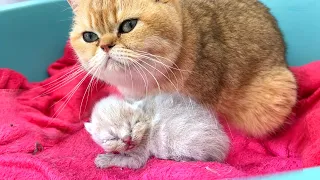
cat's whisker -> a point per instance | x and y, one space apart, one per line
131 78
155 61
70 95
168 67
137 63
66 79
142 54
87 97
95 67
143 78
162 75
61 84
73 91
156 58
166 59
69 72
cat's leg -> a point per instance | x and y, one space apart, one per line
134 161
263 106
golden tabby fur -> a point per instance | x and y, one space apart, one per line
228 54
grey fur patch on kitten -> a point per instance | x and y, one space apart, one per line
167 126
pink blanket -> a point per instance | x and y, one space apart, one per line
42 139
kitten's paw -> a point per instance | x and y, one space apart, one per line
102 161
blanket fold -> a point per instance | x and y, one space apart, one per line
42 135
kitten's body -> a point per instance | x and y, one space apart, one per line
171 127
227 54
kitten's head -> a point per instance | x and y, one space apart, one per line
127 43
117 125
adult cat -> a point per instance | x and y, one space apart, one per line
227 54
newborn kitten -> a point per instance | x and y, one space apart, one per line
226 54
165 126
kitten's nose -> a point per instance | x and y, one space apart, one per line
126 139
106 48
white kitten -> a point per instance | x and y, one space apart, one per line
165 126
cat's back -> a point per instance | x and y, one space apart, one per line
242 29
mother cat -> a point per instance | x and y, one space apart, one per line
227 54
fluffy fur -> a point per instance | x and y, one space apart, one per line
165 126
227 54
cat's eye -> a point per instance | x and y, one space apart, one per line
127 25
90 37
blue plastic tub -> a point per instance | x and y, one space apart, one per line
34 33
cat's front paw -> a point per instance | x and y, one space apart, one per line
102 161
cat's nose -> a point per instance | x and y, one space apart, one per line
106 48
126 139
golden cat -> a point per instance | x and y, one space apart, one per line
227 54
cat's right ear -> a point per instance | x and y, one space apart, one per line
88 127
73 4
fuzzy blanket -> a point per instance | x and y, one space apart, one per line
42 138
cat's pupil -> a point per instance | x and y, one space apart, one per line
90 37
128 25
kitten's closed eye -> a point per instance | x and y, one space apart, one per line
109 139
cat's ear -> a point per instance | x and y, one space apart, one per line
73 3
88 127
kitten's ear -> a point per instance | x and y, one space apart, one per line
88 127
73 3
